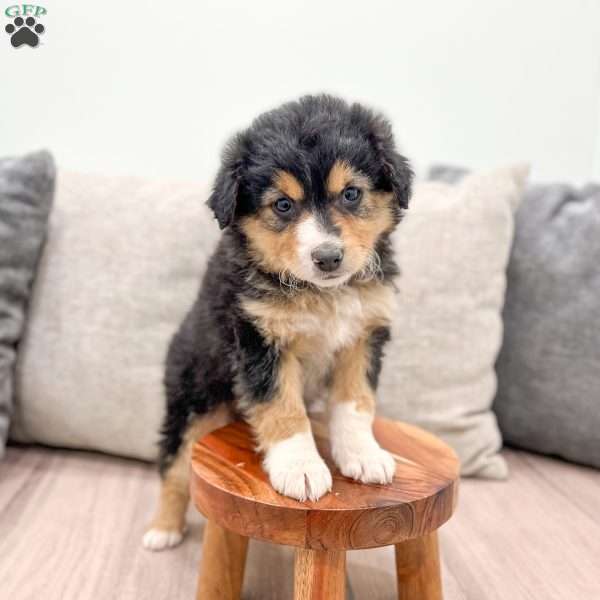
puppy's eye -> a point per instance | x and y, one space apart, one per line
282 206
351 196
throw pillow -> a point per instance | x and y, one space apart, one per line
453 248
26 191
549 365
121 267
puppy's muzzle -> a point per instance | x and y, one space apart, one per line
327 257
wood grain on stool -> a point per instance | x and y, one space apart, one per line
319 574
229 486
223 561
418 569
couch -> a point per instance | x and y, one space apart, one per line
71 521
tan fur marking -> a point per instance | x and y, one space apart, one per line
379 302
174 491
361 232
350 383
284 415
275 250
340 175
286 183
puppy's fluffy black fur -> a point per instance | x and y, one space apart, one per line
217 347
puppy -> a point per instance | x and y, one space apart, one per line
296 299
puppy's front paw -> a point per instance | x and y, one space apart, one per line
296 470
354 448
368 463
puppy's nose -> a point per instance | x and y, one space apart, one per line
327 257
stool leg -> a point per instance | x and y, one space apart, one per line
418 569
319 574
222 567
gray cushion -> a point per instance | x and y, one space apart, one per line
26 190
548 397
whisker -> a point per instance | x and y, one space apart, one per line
372 269
288 280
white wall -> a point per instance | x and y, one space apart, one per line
155 88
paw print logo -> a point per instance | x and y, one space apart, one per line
24 31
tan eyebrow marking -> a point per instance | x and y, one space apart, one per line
341 174
287 184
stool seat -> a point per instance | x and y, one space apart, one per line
229 486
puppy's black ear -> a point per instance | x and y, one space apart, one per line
226 189
400 176
396 174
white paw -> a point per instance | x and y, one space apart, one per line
296 470
370 464
161 539
354 448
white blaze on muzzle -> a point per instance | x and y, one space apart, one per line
311 234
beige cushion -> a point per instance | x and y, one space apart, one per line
453 248
123 263
121 267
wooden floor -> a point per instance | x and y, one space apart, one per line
71 523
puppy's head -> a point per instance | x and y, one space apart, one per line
313 186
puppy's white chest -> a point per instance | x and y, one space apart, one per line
321 324
339 325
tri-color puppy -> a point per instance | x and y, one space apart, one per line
297 300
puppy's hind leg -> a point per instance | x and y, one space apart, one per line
168 526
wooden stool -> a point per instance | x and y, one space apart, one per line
230 488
